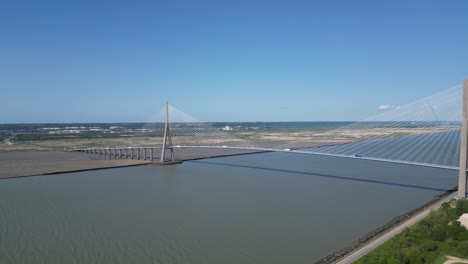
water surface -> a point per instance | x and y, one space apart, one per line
261 208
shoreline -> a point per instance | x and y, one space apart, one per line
74 171
350 253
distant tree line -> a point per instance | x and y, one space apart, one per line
82 135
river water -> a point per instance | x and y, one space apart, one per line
260 208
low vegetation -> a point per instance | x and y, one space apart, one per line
87 135
429 241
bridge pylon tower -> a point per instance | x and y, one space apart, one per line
463 144
167 140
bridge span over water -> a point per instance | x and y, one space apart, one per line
431 132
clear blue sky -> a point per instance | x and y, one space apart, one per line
107 61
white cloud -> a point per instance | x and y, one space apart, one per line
387 107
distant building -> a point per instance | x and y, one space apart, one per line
227 128
71 131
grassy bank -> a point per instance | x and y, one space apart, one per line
429 241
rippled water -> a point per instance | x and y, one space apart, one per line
262 208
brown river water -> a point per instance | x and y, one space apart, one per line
260 208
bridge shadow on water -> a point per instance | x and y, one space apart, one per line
412 186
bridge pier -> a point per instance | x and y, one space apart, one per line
144 154
138 154
167 140
151 154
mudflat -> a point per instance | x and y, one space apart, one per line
29 163
19 164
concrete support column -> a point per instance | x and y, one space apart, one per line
138 154
144 154
120 153
167 140
151 154
131 153
464 144
126 153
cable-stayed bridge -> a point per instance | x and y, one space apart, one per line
429 132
